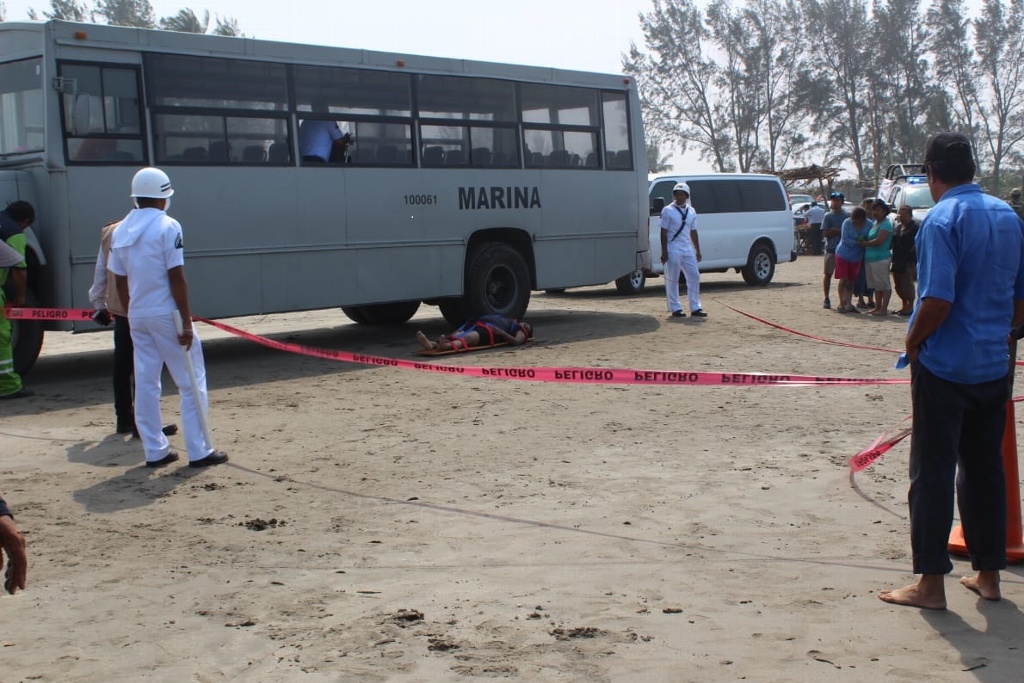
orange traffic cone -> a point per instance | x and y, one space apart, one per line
1014 540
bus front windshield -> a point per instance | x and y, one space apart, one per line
21 107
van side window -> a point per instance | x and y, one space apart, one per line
663 190
710 196
760 195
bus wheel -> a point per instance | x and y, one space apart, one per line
453 310
26 339
632 283
760 266
390 314
497 282
356 314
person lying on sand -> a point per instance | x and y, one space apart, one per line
488 330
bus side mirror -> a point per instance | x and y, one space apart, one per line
80 115
657 204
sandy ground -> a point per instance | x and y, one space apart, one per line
377 524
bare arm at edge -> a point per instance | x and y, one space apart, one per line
932 314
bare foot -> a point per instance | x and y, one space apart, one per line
424 342
984 585
915 595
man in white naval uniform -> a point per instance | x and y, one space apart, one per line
680 251
147 259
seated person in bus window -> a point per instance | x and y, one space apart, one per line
322 141
488 330
96 149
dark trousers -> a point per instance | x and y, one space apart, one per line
814 237
124 367
957 425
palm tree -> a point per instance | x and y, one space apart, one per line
656 162
186 21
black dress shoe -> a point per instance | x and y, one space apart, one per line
215 458
678 314
166 460
699 313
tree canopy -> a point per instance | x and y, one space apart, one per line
774 84
137 13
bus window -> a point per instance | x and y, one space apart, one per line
616 131
102 120
559 105
193 138
561 149
467 121
21 107
176 81
560 126
353 91
380 144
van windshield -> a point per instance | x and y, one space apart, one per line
21 107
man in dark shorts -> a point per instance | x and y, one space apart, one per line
831 229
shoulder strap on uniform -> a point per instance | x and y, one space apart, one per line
681 225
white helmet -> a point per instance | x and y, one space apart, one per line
151 183
682 187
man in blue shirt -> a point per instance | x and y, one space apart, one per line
970 252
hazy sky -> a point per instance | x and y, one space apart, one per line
569 34
589 36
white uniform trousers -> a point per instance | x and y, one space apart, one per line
156 345
685 262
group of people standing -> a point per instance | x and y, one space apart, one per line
863 249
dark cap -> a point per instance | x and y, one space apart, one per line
881 203
951 147
837 195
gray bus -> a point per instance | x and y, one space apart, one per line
466 184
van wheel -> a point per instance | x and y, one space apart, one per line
760 268
632 283
26 338
497 282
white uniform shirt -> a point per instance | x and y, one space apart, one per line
671 220
145 246
815 214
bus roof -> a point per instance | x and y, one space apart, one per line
138 39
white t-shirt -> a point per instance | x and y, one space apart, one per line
144 247
671 220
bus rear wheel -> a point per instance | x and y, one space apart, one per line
497 282
382 314
453 310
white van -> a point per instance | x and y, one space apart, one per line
743 219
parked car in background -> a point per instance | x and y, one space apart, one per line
796 200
